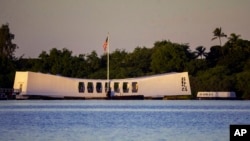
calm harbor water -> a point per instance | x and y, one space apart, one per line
107 120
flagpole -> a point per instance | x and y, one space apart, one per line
108 63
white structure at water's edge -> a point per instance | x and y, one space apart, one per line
216 95
54 86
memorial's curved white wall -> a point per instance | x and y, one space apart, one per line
41 84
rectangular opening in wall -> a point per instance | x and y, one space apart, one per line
98 87
125 87
134 87
106 87
90 87
116 87
81 87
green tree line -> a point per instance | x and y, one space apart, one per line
224 67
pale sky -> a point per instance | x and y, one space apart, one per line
82 25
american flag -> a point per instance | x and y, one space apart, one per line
105 44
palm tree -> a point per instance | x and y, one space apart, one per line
218 34
233 38
232 41
200 51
